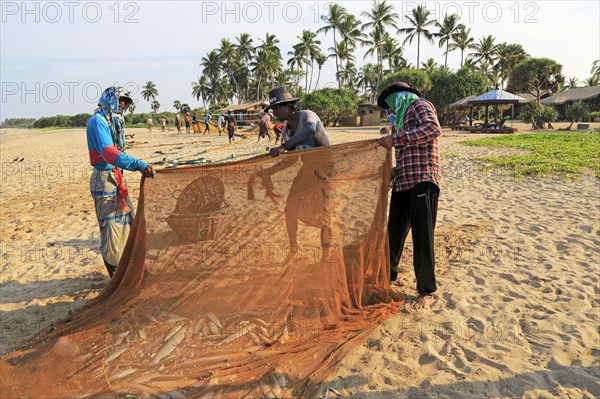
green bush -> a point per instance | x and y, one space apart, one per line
537 114
578 110
331 104
595 114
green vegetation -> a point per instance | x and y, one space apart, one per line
331 104
565 154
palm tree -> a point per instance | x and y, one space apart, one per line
177 105
485 52
508 56
320 59
270 57
155 106
596 69
333 20
419 27
375 42
150 92
367 81
461 40
429 66
229 58
202 90
246 51
391 50
447 30
572 83
592 81
380 17
306 51
211 65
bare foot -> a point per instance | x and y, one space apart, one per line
422 301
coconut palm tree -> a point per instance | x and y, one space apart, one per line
211 65
320 59
270 57
572 83
379 18
245 52
596 69
592 81
375 43
177 105
447 29
149 92
333 19
306 50
420 23
229 61
367 81
201 90
155 106
508 56
485 52
391 50
429 66
462 40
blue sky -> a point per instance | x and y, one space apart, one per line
56 57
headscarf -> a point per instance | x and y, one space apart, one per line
399 102
108 105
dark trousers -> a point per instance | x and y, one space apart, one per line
415 209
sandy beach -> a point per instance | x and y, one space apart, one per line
517 311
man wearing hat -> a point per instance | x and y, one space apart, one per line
416 185
309 199
304 128
106 142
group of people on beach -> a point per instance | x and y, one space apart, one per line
415 182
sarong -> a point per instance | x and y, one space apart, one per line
114 223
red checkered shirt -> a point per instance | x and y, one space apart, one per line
417 149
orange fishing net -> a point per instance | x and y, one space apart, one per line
248 279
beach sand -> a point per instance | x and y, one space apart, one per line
517 310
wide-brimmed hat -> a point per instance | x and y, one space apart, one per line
279 95
393 88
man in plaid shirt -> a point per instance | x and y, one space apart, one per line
416 185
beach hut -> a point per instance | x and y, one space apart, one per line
563 100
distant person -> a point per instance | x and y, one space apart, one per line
206 123
187 122
163 124
278 128
264 127
231 125
106 145
195 127
220 121
392 122
149 124
416 187
178 123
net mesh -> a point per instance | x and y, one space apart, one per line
248 279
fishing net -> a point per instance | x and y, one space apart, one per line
248 279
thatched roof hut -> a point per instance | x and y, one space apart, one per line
462 103
586 94
563 100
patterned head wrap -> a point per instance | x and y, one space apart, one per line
399 102
110 99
